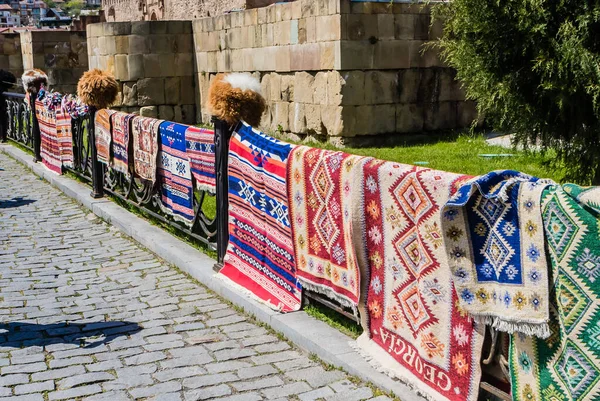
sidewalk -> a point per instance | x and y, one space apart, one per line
90 314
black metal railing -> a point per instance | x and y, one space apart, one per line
15 119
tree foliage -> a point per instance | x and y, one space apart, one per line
73 7
533 66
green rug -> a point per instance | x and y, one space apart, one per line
566 366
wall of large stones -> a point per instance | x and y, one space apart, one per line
11 58
336 68
153 62
61 54
136 10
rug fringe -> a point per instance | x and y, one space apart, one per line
378 366
532 329
210 189
328 292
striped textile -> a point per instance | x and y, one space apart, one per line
145 147
120 142
102 135
200 148
65 136
174 173
260 256
50 148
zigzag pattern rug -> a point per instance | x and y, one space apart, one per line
495 244
566 366
415 329
260 255
321 190
200 148
174 173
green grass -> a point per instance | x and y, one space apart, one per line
334 319
460 154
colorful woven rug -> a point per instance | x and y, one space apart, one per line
102 135
50 148
174 173
417 330
120 142
321 188
566 366
260 255
64 136
145 147
495 245
200 147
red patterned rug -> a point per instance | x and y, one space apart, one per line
145 147
320 189
103 135
417 331
50 148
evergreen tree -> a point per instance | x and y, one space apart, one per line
533 66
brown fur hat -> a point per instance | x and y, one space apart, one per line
97 88
33 80
234 97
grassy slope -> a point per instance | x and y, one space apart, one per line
461 155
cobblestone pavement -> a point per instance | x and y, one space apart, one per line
88 314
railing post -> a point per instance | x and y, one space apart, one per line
222 136
35 127
97 168
3 118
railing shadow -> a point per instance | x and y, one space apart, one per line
86 335
15 202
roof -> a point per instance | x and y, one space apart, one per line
5 7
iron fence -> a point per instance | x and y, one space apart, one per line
210 226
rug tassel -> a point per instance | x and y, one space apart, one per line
540 330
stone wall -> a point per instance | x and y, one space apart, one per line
147 10
335 68
11 58
61 54
153 62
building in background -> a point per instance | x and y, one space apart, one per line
9 17
55 18
30 11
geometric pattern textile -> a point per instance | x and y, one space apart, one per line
120 142
260 255
415 329
102 135
145 147
174 173
321 187
200 147
64 136
566 366
50 147
495 243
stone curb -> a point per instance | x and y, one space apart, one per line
306 332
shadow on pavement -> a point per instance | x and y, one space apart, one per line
15 202
87 335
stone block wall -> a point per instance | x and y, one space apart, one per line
153 62
336 68
61 54
11 58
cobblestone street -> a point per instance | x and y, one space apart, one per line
86 313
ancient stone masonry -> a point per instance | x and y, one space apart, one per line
336 68
61 54
10 53
153 62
